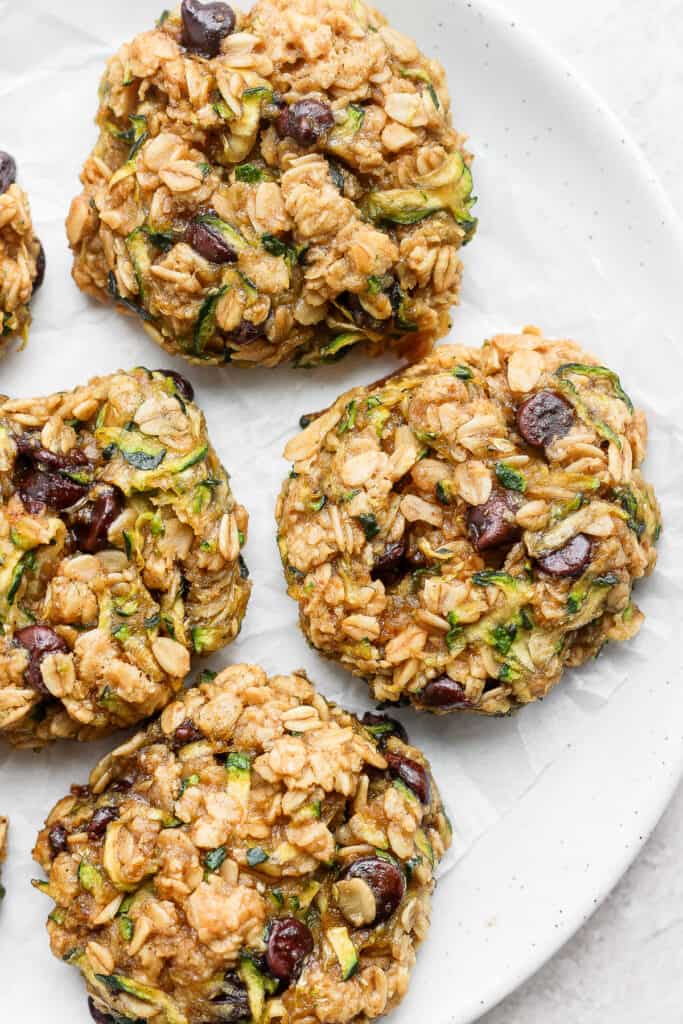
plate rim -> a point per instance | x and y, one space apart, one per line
553 62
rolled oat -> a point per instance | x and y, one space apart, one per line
459 532
296 193
229 865
113 565
22 259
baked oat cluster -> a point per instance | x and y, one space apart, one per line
280 183
22 259
460 532
256 854
119 554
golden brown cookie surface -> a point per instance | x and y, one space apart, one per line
292 188
460 532
22 259
120 544
256 854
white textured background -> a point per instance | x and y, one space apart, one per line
626 965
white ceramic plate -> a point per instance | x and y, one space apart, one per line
576 235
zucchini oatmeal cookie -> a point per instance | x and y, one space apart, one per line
460 532
22 257
280 183
119 554
256 854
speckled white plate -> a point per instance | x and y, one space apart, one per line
549 806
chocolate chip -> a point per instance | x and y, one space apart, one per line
543 417
389 566
415 559
97 825
39 490
246 332
411 773
209 243
305 121
43 480
570 560
386 880
30 448
91 521
205 25
289 942
57 839
39 641
187 732
444 694
99 1016
122 784
40 268
8 171
493 524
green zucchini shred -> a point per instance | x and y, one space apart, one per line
498 578
421 76
510 478
348 421
455 635
214 858
251 174
444 494
629 503
572 393
503 637
204 638
345 132
256 855
369 523
188 782
206 320
331 351
448 189
586 370
26 563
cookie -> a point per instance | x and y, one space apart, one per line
460 532
119 554
22 257
282 183
256 854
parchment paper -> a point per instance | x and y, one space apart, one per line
563 243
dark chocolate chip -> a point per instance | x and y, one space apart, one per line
305 121
493 524
39 641
411 773
386 880
543 417
8 171
289 942
570 560
205 25
444 694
